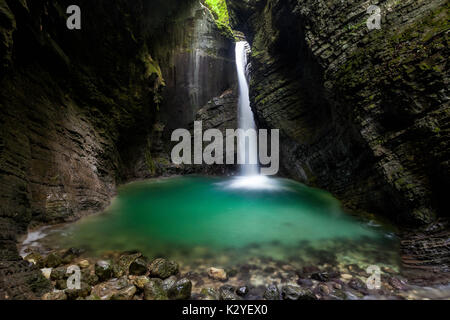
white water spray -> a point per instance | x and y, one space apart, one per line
248 152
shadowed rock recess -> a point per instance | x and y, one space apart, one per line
362 114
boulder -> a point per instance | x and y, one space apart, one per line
55 295
103 270
138 267
227 293
140 282
53 260
83 292
162 268
153 290
123 265
181 290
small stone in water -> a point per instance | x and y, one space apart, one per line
272 293
217 274
210 294
320 276
290 292
323 288
83 264
181 290
141 281
103 270
227 293
346 276
242 291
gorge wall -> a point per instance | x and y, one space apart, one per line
83 111
363 114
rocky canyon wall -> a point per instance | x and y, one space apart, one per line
82 111
363 113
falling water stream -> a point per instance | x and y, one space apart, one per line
248 152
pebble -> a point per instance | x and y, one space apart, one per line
217 274
83 264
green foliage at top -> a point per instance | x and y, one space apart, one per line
220 11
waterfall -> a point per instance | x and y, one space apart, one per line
247 152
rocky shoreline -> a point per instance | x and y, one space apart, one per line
132 276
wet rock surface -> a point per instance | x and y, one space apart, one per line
257 279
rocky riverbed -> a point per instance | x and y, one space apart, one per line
133 276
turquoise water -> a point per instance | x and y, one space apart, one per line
244 217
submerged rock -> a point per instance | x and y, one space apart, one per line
320 276
70 254
83 292
140 282
210 294
242 291
181 290
103 270
290 292
35 258
83 264
272 293
124 263
162 268
55 295
169 283
126 293
217 274
115 288
227 293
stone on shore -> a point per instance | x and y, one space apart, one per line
162 268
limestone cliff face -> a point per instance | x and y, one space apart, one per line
363 114
83 111
197 65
